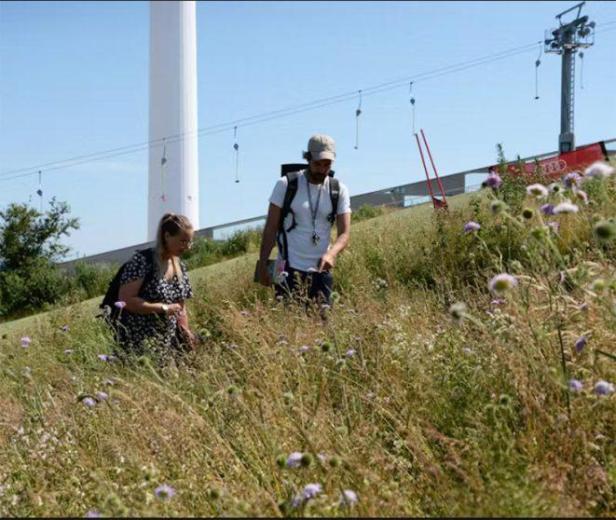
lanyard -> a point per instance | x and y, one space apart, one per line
313 212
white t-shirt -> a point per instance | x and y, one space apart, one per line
303 254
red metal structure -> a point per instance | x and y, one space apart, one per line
436 202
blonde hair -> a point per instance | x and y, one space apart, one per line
174 225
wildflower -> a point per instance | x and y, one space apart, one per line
599 170
326 346
547 209
458 311
493 180
565 207
311 491
555 187
93 513
294 460
497 206
575 385
105 357
89 402
102 396
120 305
348 498
68 351
306 460
109 382
350 353
554 226
25 341
303 349
497 301
604 388
164 491
244 314
580 343
582 195
64 328
538 191
502 282
528 213
605 230
471 226
572 179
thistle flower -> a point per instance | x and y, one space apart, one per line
581 194
547 209
102 396
497 206
89 402
471 226
164 492
493 180
502 283
580 343
538 191
604 388
348 498
605 230
528 213
294 460
555 187
565 207
572 179
25 341
575 385
599 170
311 491
458 311
120 305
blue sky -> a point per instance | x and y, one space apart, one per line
74 81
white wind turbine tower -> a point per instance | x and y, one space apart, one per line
173 166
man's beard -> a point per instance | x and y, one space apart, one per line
317 177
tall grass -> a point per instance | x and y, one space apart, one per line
417 408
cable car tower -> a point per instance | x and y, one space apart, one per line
566 40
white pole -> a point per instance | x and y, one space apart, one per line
174 186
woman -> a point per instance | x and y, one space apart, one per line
154 317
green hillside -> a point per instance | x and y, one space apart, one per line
424 394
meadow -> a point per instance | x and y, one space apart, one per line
466 368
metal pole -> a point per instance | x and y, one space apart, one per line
423 161
438 180
566 140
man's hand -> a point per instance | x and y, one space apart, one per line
264 276
327 262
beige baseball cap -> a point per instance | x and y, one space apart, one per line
322 146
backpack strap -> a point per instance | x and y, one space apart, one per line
149 273
281 237
334 195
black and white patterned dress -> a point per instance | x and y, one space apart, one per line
154 333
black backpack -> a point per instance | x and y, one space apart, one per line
292 185
110 311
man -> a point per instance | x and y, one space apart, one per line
304 236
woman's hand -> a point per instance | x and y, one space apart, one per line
174 309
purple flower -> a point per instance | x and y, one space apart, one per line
350 353
554 226
547 209
102 396
303 349
493 180
575 385
120 304
106 357
538 191
25 341
64 328
93 513
565 207
572 179
348 498
604 388
599 169
89 402
580 343
471 226
294 460
502 282
497 301
164 492
311 491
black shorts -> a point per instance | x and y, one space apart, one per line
311 285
